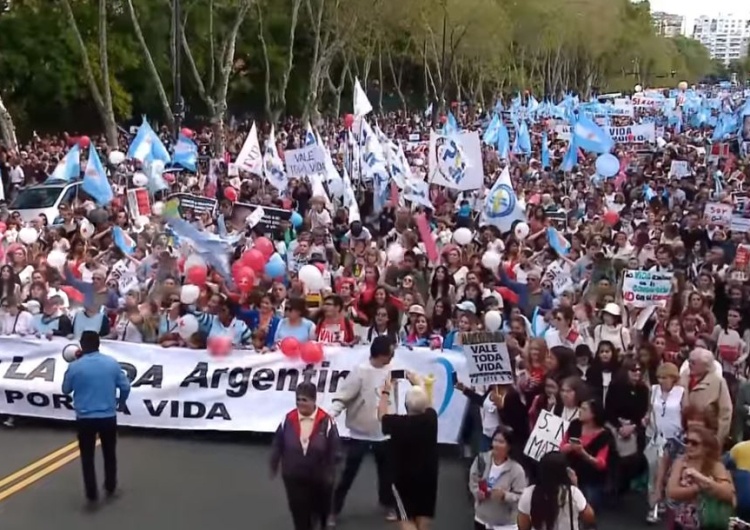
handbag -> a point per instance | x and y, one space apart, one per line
625 446
714 514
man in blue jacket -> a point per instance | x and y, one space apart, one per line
94 380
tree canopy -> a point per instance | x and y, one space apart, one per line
90 64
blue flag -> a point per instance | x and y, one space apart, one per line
186 153
95 181
69 168
123 241
590 137
545 151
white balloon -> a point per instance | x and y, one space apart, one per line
57 259
87 229
493 320
521 231
157 208
142 220
638 88
189 294
311 276
116 158
70 352
395 253
491 260
157 167
187 326
462 236
139 179
28 235
195 260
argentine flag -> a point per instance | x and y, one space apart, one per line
69 168
95 181
273 167
590 137
147 145
186 153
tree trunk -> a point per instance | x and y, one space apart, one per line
103 106
156 78
7 128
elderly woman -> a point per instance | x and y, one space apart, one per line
413 454
707 390
306 447
496 481
663 422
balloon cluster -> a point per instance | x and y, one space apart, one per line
310 352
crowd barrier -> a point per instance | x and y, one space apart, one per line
177 388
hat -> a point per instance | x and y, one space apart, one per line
612 309
467 307
417 309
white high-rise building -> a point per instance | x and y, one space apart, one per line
726 36
667 24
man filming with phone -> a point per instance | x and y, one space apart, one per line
360 395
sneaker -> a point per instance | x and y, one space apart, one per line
651 518
391 516
9 422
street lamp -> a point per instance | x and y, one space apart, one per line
179 106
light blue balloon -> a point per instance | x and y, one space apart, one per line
296 220
276 257
275 268
607 165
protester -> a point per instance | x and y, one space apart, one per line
496 481
99 388
306 448
413 453
355 396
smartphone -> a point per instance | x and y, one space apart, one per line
454 378
398 374
576 441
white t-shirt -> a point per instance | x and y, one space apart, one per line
563 515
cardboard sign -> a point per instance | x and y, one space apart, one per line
308 160
679 169
488 358
197 203
547 435
268 224
646 288
558 278
139 203
718 214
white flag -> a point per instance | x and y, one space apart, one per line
250 158
362 106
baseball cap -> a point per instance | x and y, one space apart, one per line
467 306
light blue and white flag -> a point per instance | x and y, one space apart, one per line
310 136
147 145
186 153
590 137
557 242
545 151
69 168
123 241
95 181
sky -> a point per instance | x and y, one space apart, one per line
692 9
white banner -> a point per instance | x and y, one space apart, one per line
456 161
547 435
631 134
309 160
646 288
176 388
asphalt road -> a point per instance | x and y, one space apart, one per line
192 481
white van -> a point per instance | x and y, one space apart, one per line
44 199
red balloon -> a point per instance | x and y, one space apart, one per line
290 347
187 132
219 345
611 217
349 120
84 141
231 194
311 352
245 279
254 259
197 275
321 267
265 246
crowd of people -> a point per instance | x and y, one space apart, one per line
651 389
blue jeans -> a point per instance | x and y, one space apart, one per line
485 443
594 494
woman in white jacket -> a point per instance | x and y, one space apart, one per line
611 329
15 319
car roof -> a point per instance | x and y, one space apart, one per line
54 184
